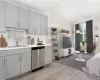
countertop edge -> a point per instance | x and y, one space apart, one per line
27 46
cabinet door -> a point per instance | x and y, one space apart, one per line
11 15
48 55
2 16
34 23
2 68
44 25
31 23
23 18
41 57
13 66
37 23
25 62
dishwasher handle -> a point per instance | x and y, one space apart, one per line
36 48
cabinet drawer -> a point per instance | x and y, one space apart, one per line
3 53
18 51
25 50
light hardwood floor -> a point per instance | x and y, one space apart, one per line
57 71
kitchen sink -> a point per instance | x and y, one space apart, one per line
17 46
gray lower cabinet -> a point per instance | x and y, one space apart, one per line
25 62
13 66
18 62
2 68
48 55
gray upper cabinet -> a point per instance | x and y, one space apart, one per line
34 23
20 17
38 29
38 24
44 24
23 18
31 22
11 15
2 16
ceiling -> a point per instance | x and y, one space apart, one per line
40 5
79 9
70 9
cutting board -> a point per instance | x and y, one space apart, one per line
3 42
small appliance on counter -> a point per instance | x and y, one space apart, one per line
29 40
39 42
32 41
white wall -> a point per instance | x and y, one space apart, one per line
96 22
56 20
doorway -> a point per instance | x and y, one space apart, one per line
84 36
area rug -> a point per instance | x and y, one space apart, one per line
72 62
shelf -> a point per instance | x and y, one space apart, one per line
54 39
55 50
55 44
54 33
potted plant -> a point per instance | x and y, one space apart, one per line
67 31
54 29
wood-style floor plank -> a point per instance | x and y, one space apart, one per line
57 71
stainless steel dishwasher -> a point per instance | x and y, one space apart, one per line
38 57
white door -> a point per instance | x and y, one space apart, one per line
2 68
25 62
48 55
11 15
13 66
23 18
2 16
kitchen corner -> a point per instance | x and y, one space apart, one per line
18 59
17 24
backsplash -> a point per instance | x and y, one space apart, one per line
24 41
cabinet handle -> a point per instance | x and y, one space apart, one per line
38 57
4 62
21 58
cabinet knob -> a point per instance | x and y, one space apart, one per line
4 62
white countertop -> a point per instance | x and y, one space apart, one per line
26 46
